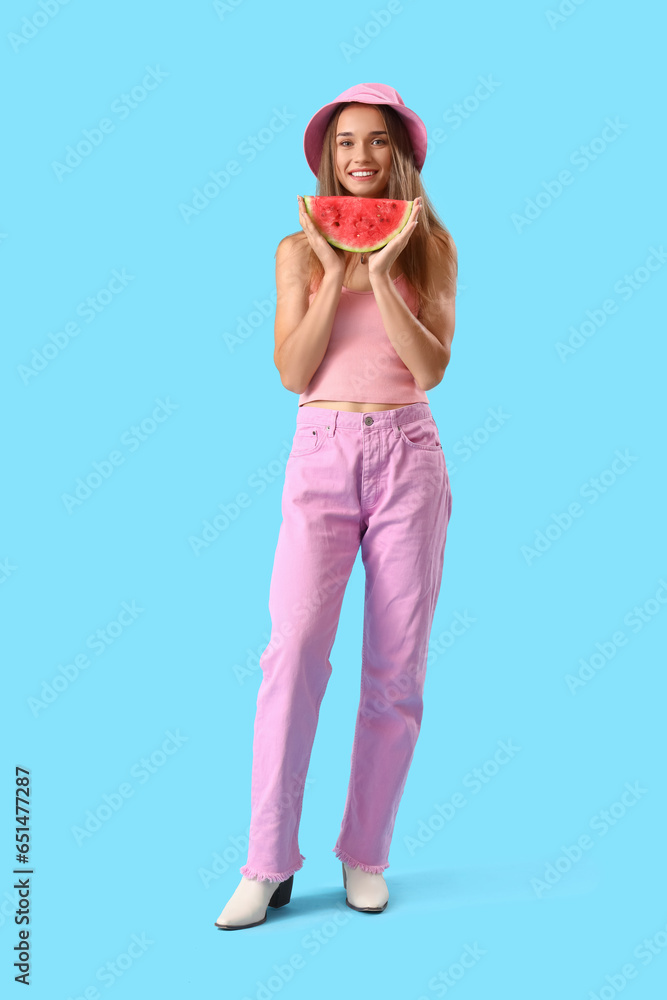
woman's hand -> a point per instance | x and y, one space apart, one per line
380 261
330 260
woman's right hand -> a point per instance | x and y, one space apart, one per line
329 259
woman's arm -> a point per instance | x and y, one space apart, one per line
302 332
424 346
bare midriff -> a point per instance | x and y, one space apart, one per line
354 407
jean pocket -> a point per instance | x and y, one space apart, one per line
307 440
421 434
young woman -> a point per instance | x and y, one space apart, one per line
360 338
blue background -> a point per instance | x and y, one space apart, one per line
165 858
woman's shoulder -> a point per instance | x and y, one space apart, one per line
293 245
292 251
292 258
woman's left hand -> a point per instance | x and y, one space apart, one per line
380 261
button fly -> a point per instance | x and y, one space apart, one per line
368 421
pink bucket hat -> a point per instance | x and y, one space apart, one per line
365 93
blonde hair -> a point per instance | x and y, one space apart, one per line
429 236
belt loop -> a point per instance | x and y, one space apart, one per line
394 423
331 426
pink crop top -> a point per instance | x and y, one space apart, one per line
360 363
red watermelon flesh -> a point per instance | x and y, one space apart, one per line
355 223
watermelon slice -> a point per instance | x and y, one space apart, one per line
355 223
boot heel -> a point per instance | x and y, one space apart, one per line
283 893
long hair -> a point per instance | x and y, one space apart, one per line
404 183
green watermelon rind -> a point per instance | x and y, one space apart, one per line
368 249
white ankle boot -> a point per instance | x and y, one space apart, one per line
366 891
249 903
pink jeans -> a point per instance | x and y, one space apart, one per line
378 480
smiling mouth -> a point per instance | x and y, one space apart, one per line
364 174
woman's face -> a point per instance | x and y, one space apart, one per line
363 146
